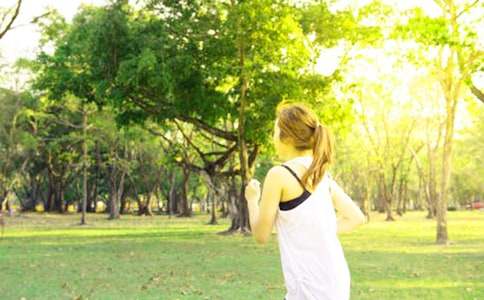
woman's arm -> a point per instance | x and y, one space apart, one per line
262 218
351 215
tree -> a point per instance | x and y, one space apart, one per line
16 142
458 58
57 76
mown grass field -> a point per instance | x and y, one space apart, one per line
49 256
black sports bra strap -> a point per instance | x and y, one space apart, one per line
294 174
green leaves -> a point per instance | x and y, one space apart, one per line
426 30
171 61
329 27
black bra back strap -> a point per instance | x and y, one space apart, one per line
294 174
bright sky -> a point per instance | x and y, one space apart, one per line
23 40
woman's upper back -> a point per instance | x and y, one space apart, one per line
299 206
293 187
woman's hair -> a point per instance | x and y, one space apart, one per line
300 126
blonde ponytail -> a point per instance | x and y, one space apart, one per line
322 156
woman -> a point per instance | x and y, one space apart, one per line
300 197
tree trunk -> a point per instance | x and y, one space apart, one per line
92 200
225 210
387 200
8 204
185 210
49 205
84 165
113 206
2 199
172 195
366 199
451 87
116 189
405 197
123 200
145 207
241 221
400 197
432 185
214 194
60 197
442 235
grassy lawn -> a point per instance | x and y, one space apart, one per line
50 257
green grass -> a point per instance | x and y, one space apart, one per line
50 257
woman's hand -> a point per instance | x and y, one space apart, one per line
252 191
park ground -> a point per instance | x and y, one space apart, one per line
49 256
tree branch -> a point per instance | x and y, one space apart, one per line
189 141
15 15
477 92
467 8
215 131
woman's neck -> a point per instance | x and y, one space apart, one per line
294 154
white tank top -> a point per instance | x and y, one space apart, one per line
312 259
